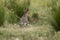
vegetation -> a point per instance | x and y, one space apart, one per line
1 15
55 14
43 15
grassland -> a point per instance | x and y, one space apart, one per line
41 30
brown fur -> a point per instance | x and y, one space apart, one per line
24 19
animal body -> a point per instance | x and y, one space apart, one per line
24 19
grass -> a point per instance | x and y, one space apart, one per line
11 32
34 31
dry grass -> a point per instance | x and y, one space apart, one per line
31 32
11 32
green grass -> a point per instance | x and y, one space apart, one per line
41 30
11 32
